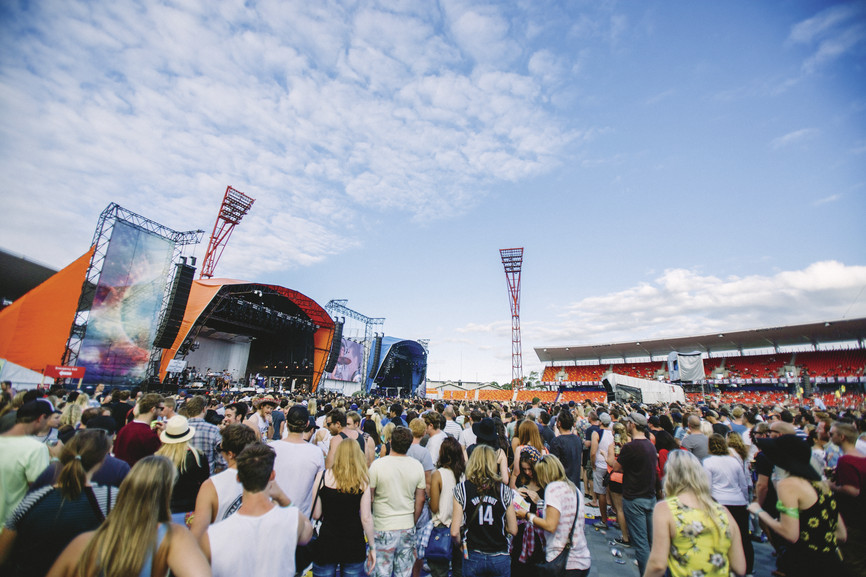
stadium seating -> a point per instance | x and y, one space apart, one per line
527 395
833 363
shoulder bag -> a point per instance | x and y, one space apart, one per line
556 566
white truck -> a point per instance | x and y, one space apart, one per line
625 389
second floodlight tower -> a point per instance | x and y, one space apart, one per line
512 260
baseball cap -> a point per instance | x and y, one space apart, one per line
311 424
298 416
36 408
637 418
604 418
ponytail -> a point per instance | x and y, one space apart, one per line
84 451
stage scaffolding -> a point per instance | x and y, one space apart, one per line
371 325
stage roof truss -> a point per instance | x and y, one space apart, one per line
339 307
101 237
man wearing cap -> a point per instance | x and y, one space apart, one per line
601 440
140 438
638 462
24 458
298 462
48 433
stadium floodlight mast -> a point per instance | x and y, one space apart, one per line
512 260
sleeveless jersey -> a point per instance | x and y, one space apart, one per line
229 492
484 517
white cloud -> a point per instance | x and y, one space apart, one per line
329 109
827 199
684 302
794 137
832 33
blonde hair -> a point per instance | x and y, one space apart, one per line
128 534
549 470
735 442
707 428
176 453
71 414
482 470
83 401
350 468
386 432
685 474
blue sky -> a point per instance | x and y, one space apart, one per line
671 168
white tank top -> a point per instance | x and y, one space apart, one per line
601 454
229 492
446 499
270 540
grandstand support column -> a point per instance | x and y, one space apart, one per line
512 260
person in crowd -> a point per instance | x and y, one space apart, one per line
528 436
169 404
398 489
809 519
266 528
467 436
338 425
849 485
191 465
593 430
24 458
451 468
527 547
121 407
638 461
136 537
563 517
298 462
451 428
696 441
567 446
486 434
48 518
386 439
220 496
620 439
278 418
207 436
419 453
235 413
482 515
547 433
260 421
371 430
692 534
730 487
436 435
601 440
343 503
140 438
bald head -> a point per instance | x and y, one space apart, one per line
694 423
783 428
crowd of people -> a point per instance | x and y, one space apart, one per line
122 483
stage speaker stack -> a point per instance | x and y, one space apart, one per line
336 345
377 352
168 329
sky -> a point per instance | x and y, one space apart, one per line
669 167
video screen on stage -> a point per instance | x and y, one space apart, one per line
349 362
125 312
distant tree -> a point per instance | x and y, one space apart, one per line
532 381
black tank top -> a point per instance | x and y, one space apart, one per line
360 438
484 517
341 536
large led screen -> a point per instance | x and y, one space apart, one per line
349 362
122 322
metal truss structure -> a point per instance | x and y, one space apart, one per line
338 307
512 260
234 207
101 237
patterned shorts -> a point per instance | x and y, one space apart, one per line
395 553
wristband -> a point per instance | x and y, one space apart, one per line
530 517
759 511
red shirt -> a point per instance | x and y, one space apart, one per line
851 470
136 441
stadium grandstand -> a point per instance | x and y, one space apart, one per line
821 359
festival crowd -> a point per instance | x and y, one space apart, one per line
124 483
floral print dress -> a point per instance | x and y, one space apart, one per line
700 546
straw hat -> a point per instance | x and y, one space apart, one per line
177 430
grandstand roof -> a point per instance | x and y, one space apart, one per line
811 334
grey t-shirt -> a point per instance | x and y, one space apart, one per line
421 454
698 444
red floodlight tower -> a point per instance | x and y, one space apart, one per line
235 205
512 260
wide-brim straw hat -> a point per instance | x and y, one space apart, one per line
177 430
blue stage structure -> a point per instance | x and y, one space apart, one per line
396 367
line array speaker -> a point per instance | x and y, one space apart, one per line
168 329
336 345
